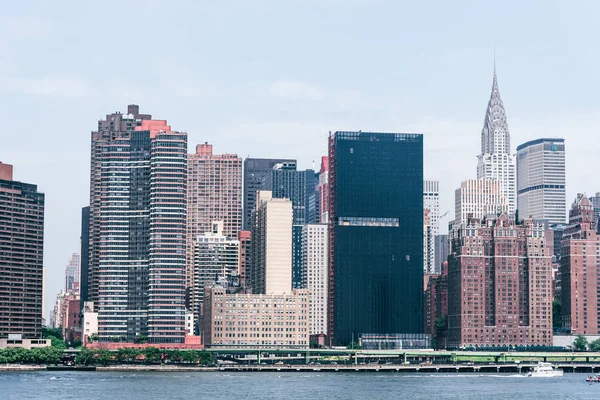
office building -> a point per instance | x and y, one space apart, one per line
431 203
496 161
579 262
255 171
234 318
72 273
138 229
478 198
499 284
286 182
272 245
441 252
375 234
21 256
298 265
214 255
323 190
541 192
214 194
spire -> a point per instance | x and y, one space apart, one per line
495 137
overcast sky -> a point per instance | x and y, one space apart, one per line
271 78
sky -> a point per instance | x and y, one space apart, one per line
272 78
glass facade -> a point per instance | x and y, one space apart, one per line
376 232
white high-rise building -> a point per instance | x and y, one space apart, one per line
214 255
72 272
315 260
541 192
477 198
495 160
272 245
431 207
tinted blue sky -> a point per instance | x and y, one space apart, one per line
271 78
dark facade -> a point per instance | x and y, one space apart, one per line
255 170
85 255
298 270
376 234
441 251
21 256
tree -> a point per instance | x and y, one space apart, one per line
556 314
580 343
595 345
152 355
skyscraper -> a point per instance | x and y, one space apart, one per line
323 190
478 198
431 203
376 234
272 245
255 170
72 273
580 277
22 256
214 194
441 252
499 284
495 160
138 221
115 126
541 192
286 182
245 239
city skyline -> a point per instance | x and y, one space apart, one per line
273 101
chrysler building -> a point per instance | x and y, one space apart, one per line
495 160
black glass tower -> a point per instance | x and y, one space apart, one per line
376 234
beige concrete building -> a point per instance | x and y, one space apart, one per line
272 245
255 320
478 198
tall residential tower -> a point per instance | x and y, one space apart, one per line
21 256
138 229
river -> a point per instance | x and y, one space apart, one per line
49 385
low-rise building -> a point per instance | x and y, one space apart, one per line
18 341
233 318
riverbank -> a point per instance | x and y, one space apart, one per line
439 368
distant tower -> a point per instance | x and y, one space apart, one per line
495 160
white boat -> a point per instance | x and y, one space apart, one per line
545 370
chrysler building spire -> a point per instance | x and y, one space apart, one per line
495 137
496 161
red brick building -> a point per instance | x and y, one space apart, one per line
499 284
435 299
580 258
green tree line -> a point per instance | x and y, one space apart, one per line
148 355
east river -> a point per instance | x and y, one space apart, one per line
49 385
